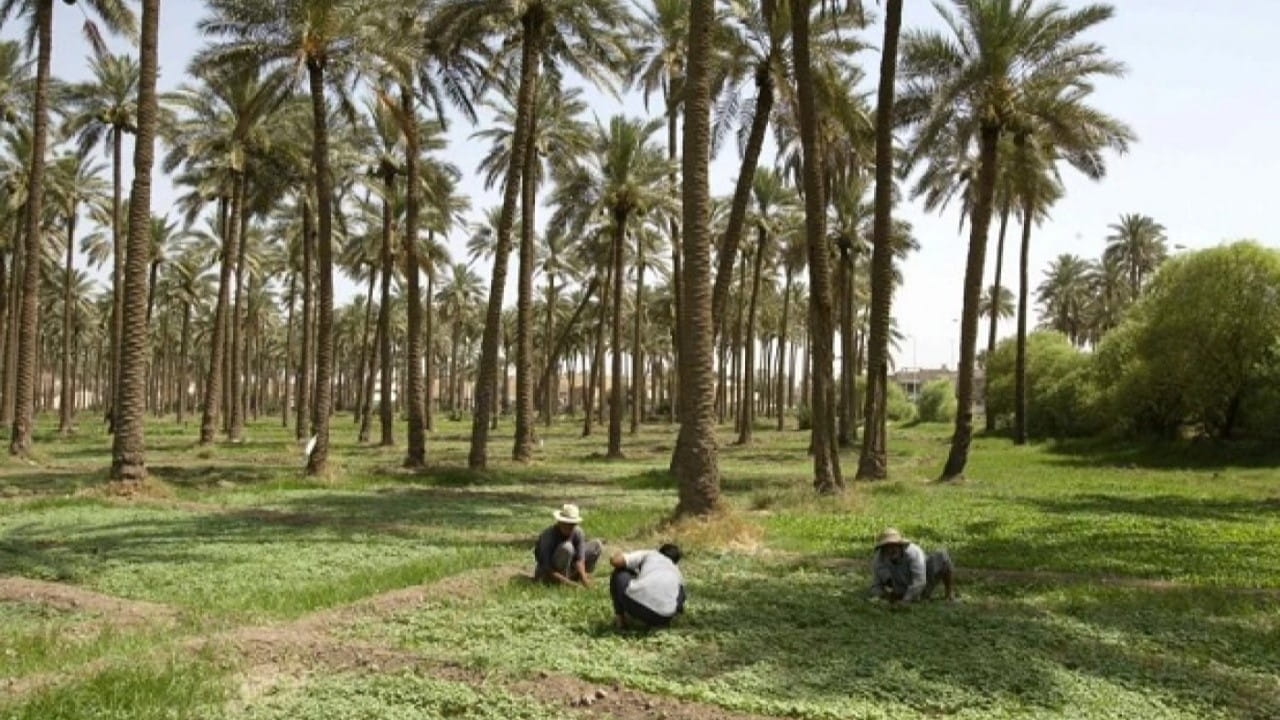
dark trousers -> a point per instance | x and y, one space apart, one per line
623 604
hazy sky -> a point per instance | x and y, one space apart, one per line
1200 92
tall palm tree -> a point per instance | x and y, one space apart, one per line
128 450
660 66
118 18
103 111
15 78
558 136
73 183
695 459
587 35
773 199
326 37
1139 244
999 67
874 462
624 178
826 459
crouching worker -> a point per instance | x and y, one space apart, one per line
563 554
647 586
902 573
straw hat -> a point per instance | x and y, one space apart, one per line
568 514
890 536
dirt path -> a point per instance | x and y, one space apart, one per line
115 610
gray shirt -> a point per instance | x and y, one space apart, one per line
657 583
907 575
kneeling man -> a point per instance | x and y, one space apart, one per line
563 553
647 586
901 572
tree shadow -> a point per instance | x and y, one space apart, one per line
1199 454
1170 507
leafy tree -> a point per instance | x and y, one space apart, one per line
937 402
1062 395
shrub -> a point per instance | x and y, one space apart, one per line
898 407
1062 395
937 402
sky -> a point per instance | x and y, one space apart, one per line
1200 93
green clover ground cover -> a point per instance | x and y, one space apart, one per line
777 626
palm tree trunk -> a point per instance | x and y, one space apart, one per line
873 462
695 456
317 463
784 381
488 369
616 396
303 377
128 452
366 381
746 176
28 338
213 395
844 279
288 352
6 287
677 297
1020 363
182 362
637 347
562 342
117 266
544 390
417 348
595 382
995 315
749 370
384 322
64 406
235 411
365 365
826 460
523 449
959 455
12 341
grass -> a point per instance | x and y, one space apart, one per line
235 535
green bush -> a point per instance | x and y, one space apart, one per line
1200 349
898 407
937 402
1062 391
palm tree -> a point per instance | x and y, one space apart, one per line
559 136
625 177
457 300
1138 243
793 252
1001 67
588 35
773 199
1064 296
15 76
695 457
118 18
660 66
997 302
103 111
826 459
326 37
128 451
73 182
873 462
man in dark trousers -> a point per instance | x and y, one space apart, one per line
563 554
647 586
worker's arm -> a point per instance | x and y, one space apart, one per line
581 566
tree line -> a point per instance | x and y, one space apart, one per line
308 140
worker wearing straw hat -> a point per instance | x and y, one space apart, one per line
902 573
563 554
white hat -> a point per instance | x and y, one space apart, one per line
568 514
890 536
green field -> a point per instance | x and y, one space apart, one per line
1097 581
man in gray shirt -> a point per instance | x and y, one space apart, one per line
902 573
647 586
563 554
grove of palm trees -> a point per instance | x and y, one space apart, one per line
312 312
